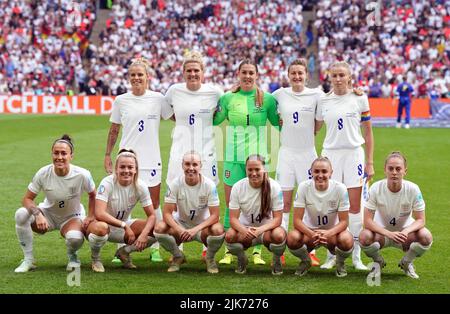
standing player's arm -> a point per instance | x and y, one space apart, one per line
141 241
299 212
91 211
272 113
418 224
368 147
30 205
221 112
168 209
112 138
317 126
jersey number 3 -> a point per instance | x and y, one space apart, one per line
141 125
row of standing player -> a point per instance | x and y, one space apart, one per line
248 106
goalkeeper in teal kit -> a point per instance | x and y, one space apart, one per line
247 111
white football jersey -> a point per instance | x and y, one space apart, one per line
122 199
342 116
194 111
321 207
393 211
298 111
62 194
192 202
140 117
247 200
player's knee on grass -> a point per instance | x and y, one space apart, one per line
161 227
344 240
278 235
74 239
23 217
99 228
216 230
424 237
366 237
294 240
231 236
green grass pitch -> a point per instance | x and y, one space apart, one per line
25 147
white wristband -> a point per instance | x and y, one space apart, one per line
123 224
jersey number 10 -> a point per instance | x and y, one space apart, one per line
324 220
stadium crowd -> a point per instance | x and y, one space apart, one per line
41 54
410 38
225 33
41 45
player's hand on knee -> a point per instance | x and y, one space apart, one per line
129 236
141 242
42 223
87 221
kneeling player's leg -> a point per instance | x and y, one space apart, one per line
25 236
168 241
155 256
24 233
214 239
419 243
371 244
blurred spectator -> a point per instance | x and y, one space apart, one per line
224 32
409 41
41 44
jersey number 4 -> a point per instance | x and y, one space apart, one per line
392 222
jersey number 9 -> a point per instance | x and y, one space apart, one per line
295 117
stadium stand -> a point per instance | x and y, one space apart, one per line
411 38
40 53
41 45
